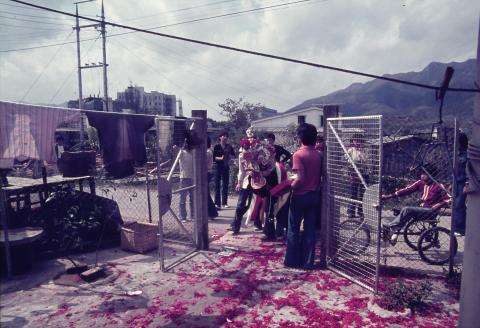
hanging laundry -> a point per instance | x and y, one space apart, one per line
28 130
122 140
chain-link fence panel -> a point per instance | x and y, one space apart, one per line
420 183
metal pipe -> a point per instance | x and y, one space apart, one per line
161 252
379 207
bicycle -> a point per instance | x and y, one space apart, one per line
434 246
411 233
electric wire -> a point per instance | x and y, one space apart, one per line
33 21
236 13
29 8
131 32
177 55
160 73
251 52
43 70
177 10
32 28
71 73
25 15
229 14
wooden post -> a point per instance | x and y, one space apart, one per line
201 180
3 217
328 112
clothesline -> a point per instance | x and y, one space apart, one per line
28 131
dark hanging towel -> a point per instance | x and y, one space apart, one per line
122 140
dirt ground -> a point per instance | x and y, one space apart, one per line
241 283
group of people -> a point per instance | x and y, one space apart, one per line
281 202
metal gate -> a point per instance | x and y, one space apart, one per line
180 205
354 153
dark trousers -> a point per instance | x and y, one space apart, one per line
356 192
222 174
460 211
242 207
212 211
282 220
301 248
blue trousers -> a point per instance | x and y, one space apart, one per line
301 248
407 213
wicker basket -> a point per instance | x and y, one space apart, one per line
139 237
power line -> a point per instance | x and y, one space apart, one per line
181 55
25 15
23 7
31 27
71 73
251 52
33 21
178 10
26 7
158 27
155 70
43 70
231 14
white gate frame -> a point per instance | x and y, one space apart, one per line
375 197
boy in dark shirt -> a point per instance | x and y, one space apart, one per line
222 153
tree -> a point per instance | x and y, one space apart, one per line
239 112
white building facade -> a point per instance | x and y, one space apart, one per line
312 115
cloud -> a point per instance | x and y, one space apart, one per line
367 35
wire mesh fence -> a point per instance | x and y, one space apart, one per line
140 189
353 168
393 186
419 181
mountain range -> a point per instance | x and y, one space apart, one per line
391 99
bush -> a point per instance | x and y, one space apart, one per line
401 295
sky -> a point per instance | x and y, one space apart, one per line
373 36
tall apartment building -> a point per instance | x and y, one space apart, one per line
134 99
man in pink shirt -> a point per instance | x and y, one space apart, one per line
304 203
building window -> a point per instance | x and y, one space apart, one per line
321 121
301 119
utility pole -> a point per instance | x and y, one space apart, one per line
104 50
92 65
79 69
470 291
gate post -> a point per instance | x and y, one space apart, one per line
328 112
200 199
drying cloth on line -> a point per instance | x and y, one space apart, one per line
28 131
122 140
